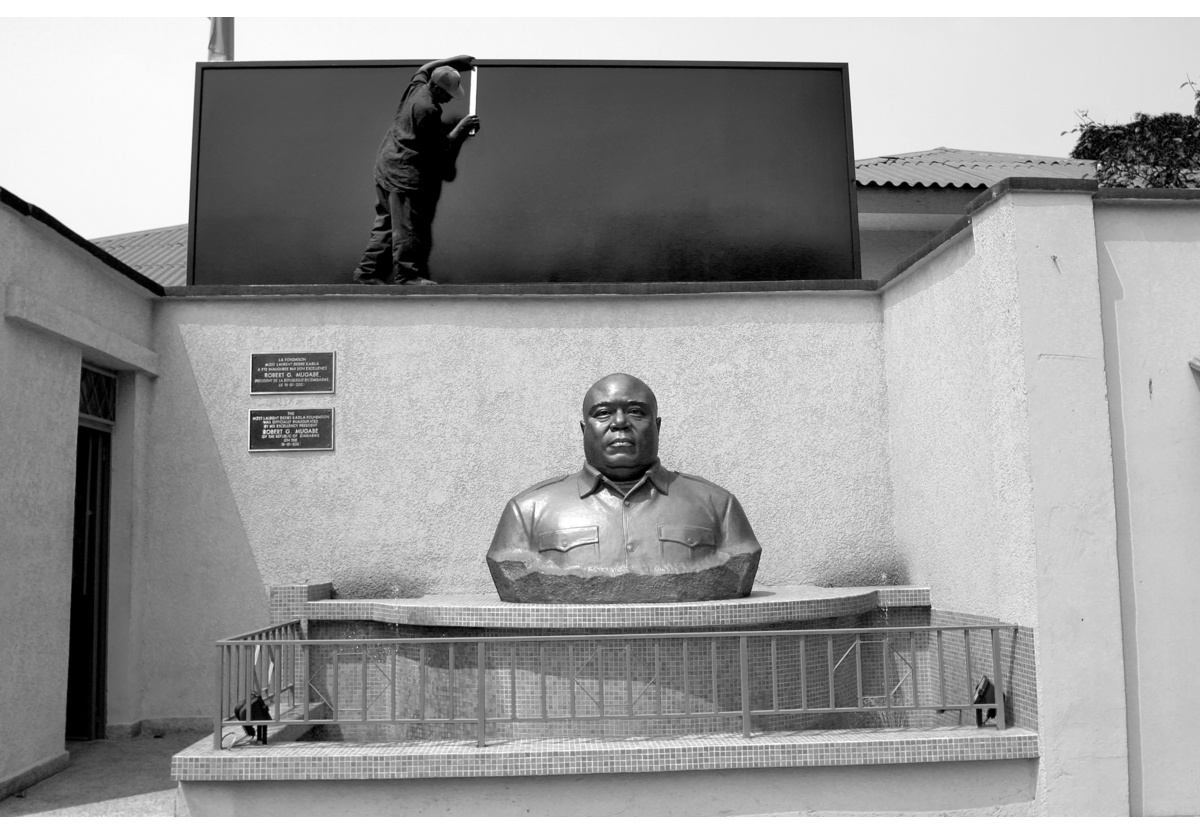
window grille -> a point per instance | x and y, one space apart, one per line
98 394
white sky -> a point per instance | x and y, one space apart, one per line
96 114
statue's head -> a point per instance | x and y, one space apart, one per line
620 426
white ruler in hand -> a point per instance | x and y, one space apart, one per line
474 93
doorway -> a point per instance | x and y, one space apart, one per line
87 666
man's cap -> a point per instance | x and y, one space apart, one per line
448 79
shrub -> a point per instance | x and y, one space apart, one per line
1149 152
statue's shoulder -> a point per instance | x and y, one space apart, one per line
542 486
700 483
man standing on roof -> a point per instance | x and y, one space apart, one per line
417 154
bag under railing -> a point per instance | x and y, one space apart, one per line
654 683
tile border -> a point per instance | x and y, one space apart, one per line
306 761
765 606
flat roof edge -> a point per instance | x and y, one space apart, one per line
1186 195
247 291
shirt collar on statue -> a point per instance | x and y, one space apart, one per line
590 479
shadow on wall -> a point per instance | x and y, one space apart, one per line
867 573
362 583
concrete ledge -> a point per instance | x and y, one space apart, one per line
577 756
31 776
259 291
28 308
1191 195
1006 788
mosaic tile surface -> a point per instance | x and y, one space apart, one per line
520 757
964 667
766 605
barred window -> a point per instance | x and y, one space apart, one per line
98 394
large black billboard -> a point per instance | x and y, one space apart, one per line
581 172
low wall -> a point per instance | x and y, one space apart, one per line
981 785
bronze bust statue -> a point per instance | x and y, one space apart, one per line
624 528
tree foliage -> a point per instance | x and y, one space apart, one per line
1149 152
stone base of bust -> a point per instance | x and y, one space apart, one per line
518 582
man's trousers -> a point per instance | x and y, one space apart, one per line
401 237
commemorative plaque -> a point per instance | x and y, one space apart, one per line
291 430
291 373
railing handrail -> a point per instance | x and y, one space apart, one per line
259 631
252 664
543 638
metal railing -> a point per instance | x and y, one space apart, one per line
673 679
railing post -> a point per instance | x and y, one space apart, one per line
803 673
219 713
277 673
887 679
394 649
744 652
774 676
829 660
481 694
998 681
337 673
970 678
542 678
246 649
687 698
306 676
858 667
941 669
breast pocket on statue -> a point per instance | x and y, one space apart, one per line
571 546
683 544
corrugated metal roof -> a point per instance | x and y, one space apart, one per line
160 254
970 169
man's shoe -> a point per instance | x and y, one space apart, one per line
418 282
364 280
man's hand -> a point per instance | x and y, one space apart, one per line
467 127
462 63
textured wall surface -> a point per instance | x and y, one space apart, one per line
1002 474
1085 759
1148 256
39 375
959 435
952 433
448 407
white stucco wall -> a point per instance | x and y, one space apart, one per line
1001 466
953 432
446 407
1079 608
956 417
1149 262
47 285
